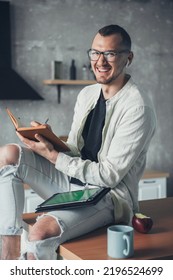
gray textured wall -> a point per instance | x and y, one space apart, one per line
46 30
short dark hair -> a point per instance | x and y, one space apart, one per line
116 29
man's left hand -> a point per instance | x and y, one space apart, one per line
43 147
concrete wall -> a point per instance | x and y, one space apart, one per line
46 30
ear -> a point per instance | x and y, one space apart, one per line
130 58
127 63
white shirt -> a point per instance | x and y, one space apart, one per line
130 123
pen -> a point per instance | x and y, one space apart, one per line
47 121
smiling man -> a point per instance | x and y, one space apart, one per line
111 131
109 55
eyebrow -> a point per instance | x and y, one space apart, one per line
108 50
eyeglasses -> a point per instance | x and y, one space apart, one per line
110 56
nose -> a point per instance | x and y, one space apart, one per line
102 59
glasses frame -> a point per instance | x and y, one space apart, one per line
104 54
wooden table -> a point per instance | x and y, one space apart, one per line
157 244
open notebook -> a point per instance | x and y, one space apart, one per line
42 129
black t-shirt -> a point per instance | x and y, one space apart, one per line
92 133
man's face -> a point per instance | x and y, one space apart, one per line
107 72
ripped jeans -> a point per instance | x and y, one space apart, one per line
45 180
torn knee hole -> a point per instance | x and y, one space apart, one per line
46 227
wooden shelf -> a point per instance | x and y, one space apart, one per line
69 82
59 83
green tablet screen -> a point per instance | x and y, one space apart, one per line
73 196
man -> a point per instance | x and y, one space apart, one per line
112 127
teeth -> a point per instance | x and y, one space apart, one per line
103 70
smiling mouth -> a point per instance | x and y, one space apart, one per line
103 70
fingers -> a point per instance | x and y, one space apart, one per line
44 141
26 141
40 138
41 146
34 123
20 136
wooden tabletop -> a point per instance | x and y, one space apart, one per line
149 174
157 244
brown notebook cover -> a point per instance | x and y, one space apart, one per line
43 130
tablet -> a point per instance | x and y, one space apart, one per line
73 199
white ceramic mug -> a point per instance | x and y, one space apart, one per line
120 241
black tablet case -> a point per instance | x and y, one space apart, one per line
102 191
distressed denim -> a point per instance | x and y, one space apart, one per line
45 180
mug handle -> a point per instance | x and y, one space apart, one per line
127 250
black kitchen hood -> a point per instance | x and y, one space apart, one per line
12 85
